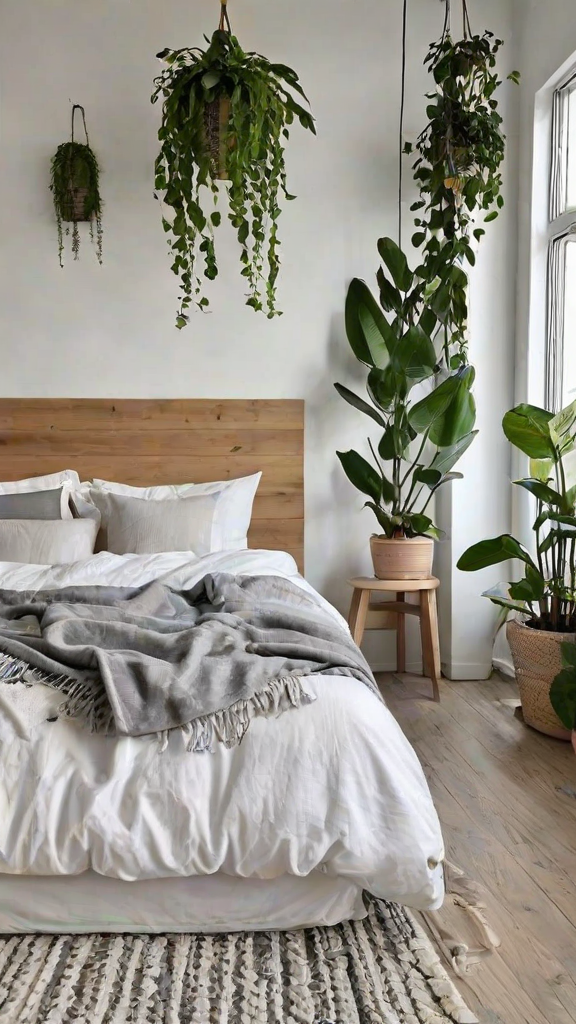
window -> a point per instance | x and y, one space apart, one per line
561 284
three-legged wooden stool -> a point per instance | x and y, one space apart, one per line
365 614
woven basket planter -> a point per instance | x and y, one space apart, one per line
216 117
537 660
402 558
73 207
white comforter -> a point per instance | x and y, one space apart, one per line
333 786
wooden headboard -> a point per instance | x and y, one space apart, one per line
161 441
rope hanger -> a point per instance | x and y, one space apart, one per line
81 109
466 27
224 25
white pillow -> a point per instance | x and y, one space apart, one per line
233 512
142 526
46 542
41 483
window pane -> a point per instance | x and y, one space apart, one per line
569 345
571 154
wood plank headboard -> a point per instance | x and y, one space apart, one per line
161 441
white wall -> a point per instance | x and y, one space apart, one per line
108 331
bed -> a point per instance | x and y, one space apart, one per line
285 830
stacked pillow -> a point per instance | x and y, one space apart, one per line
37 524
50 520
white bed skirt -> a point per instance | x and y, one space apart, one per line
213 903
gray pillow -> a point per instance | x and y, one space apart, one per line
32 505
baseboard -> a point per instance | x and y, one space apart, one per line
467 670
413 667
505 667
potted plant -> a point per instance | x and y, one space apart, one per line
226 114
75 186
545 597
423 435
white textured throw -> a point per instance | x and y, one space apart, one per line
380 969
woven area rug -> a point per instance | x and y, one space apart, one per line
382 970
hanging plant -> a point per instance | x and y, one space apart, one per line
226 114
74 183
458 170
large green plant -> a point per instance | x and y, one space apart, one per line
546 593
458 171
423 435
260 106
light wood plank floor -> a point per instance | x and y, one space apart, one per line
506 797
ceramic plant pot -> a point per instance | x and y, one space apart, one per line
537 660
402 558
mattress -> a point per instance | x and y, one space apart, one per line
215 903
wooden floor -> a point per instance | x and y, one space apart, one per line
506 797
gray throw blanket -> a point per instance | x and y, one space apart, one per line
147 660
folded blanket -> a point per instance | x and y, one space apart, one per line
151 659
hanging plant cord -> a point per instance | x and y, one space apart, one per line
401 126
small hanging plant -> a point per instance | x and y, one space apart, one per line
74 183
226 115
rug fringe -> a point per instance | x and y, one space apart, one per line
466 894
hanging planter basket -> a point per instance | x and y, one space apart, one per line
74 184
218 141
75 206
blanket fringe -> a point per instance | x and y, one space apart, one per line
229 726
86 702
468 896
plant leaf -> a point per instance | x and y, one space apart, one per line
361 474
414 354
563 696
372 319
396 263
359 403
490 552
446 458
541 491
527 428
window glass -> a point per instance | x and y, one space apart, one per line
569 332
571 152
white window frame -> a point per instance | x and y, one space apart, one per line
561 232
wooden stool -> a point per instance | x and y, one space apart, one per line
365 614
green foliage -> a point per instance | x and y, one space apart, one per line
75 186
457 169
261 106
563 689
547 591
421 440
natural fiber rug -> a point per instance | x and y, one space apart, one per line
382 970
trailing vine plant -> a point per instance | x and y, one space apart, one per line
75 186
226 114
458 171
